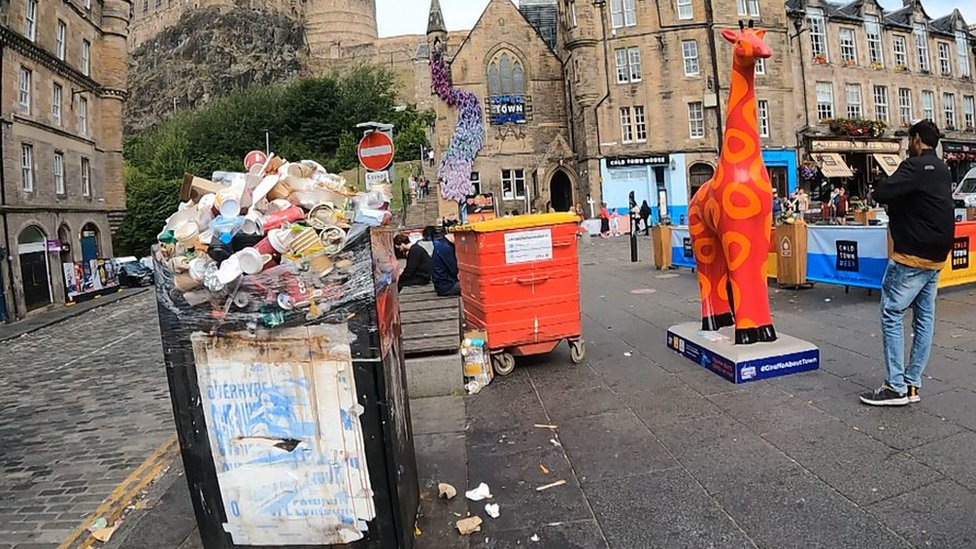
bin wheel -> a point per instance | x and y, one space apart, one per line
577 351
503 363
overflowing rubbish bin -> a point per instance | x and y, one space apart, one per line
520 284
285 366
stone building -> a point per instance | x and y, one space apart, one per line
859 62
640 100
648 85
61 181
527 162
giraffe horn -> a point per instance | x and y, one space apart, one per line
752 24
742 26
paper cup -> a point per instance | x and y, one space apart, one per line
280 191
198 268
185 283
227 204
187 233
179 264
322 216
253 223
332 238
229 271
280 240
252 261
306 243
283 218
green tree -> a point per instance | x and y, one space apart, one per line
150 201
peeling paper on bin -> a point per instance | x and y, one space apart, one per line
285 476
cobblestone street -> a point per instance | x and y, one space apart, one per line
85 402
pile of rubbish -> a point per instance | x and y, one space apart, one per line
270 245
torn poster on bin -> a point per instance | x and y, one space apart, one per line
284 427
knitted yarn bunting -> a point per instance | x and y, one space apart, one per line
469 134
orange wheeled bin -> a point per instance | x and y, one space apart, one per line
520 284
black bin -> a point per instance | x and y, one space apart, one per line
294 427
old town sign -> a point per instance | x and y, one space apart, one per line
509 109
637 161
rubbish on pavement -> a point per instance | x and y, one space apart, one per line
98 524
104 534
544 469
479 493
468 526
550 485
446 491
628 354
473 387
555 442
535 538
544 426
477 364
492 510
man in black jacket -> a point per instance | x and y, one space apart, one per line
417 270
922 226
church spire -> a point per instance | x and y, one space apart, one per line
435 23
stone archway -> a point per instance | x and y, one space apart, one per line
561 191
34 268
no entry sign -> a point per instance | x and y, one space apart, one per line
376 151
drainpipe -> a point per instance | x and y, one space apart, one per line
3 211
602 4
713 52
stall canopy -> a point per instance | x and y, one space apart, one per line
833 165
888 162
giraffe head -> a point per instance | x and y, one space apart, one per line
747 44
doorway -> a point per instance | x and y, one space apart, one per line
780 179
89 243
32 252
561 192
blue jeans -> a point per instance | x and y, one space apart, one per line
905 287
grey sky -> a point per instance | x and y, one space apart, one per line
410 16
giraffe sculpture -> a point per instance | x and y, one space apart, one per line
730 217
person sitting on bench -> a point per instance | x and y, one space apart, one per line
417 270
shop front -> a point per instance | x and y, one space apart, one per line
782 168
657 178
960 156
856 164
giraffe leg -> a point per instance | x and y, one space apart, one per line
712 275
746 259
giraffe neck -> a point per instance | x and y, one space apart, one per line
741 125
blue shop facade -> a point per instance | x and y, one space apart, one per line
668 180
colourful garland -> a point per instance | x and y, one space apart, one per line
469 135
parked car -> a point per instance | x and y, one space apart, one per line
135 274
965 194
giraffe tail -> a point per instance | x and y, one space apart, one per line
762 334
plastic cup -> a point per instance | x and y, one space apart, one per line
227 204
280 240
252 261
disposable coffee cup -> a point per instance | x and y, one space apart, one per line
252 261
253 223
279 191
198 268
320 264
283 218
280 240
306 243
227 204
186 233
230 271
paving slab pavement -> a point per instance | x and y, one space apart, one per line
657 452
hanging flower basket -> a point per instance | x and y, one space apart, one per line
857 127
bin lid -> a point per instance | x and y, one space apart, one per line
517 222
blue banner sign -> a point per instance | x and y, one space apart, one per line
508 109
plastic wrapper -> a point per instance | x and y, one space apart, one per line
281 336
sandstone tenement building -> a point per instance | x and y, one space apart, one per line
61 181
614 96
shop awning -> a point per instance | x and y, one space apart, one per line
888 162
832 165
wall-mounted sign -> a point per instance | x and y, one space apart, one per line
842 145
636 161
509 109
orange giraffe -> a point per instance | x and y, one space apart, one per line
730 217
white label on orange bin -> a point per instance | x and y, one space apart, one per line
528 246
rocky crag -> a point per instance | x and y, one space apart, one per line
208 54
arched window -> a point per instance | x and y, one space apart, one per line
494 80
90 248
518 76
506 75
699 174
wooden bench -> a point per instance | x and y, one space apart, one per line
431 324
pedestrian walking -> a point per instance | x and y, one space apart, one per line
614 224
604 221
922 226
645 216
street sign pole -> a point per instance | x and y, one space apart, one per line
633 228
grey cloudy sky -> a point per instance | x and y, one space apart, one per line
410 16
